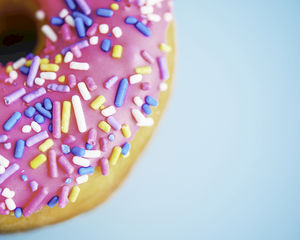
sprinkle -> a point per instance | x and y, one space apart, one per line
36 138
111 82
39 119
104 163
70 20
45 146
63 13
92 136
145 86
125 149
143 70
58 87
40 15
82 179
12 121
114 123
10 204
39 81
35 203
98 102
151 101
49 67
48 31
33 70
94 40
111 137
106 112
154 17
103 144
79 115
82 4
104 126
39 107
9 172
24 177
8 193
68 57
143 29
106 45
86 19
53 171
14 96
92 154
74 194
117 31
80 66
34 95
36 127
131 20
103 28
66 33
77 151
3 138
147 57
126 131
69 139
26 129
48 75
165 48
84 91
90 82
163 68
83 162
104 12
86 170
92 30
66 165
66 116
65 149
53 201
114 6
121 92
114 157
18 212
82 44
146 108
72 80
34 186
19 63
68 180
38 161
63 198
56 120
136 78
71 4
80 28
117 51
138 101
76 51
57 21
3 161
19 149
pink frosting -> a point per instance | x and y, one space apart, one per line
102 67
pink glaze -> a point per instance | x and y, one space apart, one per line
138 51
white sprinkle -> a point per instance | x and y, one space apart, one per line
68 57
19 63
63 13
3 161
84 91
40 15
2 169
79 114
94 40
103 28
39 81
8 193
83 66
81 161
111 110
48 31
154 17
138 116
163 87
147 10
48 75
117 31
82 179
26 129
92 154
13 75
138 101
70 20
136 78
10 204
36 127
168 17
148 122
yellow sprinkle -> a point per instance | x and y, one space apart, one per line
44 61
98 102
104 126
117 51
45 146
49 67
9 69
12 213
38 161
58 59
74 194
114 6
102 107
126 131
165 47
66 115
114 157
28 63
143 70
62 79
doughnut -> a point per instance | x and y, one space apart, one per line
77 113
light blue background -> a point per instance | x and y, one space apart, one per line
225 162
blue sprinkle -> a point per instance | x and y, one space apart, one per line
121 93
24 70
43 111
131 20
143 29
12 121
86 19
19 149
111 137
68 180
57 21
86 170
125 149
77 151
18 212
80 27
53 201
106 45
29 56
104 12
110 34
48 104
65 149
151 101
89 146
146 108
39 119
24 177
29 112
71 4
50 127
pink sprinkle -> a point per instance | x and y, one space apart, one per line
145 86
147 57
66 165
53 164
2 209
92 30
34 185
91 83
56 120
49 47
103 144
92 137
104 166
76 51
36 203
63 198
66 32
72 80
69 139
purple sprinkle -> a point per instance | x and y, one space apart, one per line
84 6
111 82
33 70
9 171
114 123
14 96
36 138
34 186
163 68
34 95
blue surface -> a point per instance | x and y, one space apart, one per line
233 171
